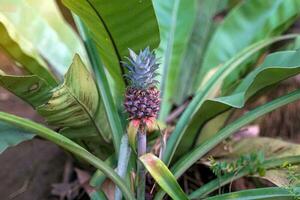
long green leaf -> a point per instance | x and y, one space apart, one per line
69 145
98 177
190 63
246 24
11 136
190 117
228 178
116 26
193 156
113 119
163 176
175 19
272 193
54 40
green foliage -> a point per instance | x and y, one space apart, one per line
214 184
115 21
252 161
293 177
11 136
74 107
69 145
271 193
213 63
249 22
40 32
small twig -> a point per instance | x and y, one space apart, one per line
177 112
21 190
163 142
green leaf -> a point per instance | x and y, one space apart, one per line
276 67
190 63
69 145
11 136
189 122
73 107
30 88
114 29
14 44
272 193
194 155
53 15
109 108
99 195
163 176
246 24
175 19
98 177
43 29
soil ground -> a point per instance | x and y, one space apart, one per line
28 170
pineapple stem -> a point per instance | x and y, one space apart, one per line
142 148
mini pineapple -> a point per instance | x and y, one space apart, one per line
142 96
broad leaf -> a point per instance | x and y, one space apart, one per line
110 104
248 23
11 136
272 193
116 26
31 88
73 107
52 14
276 67
163 176
45 32
176 19
14 44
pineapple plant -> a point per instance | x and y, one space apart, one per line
142 96
142 103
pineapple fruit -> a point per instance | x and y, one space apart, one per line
142 100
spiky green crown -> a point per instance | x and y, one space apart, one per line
142 69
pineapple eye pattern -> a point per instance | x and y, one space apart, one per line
142 100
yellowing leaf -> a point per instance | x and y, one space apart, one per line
163 176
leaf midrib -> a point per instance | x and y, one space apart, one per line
109 35
86 110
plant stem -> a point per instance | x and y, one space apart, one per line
124 155
141 173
